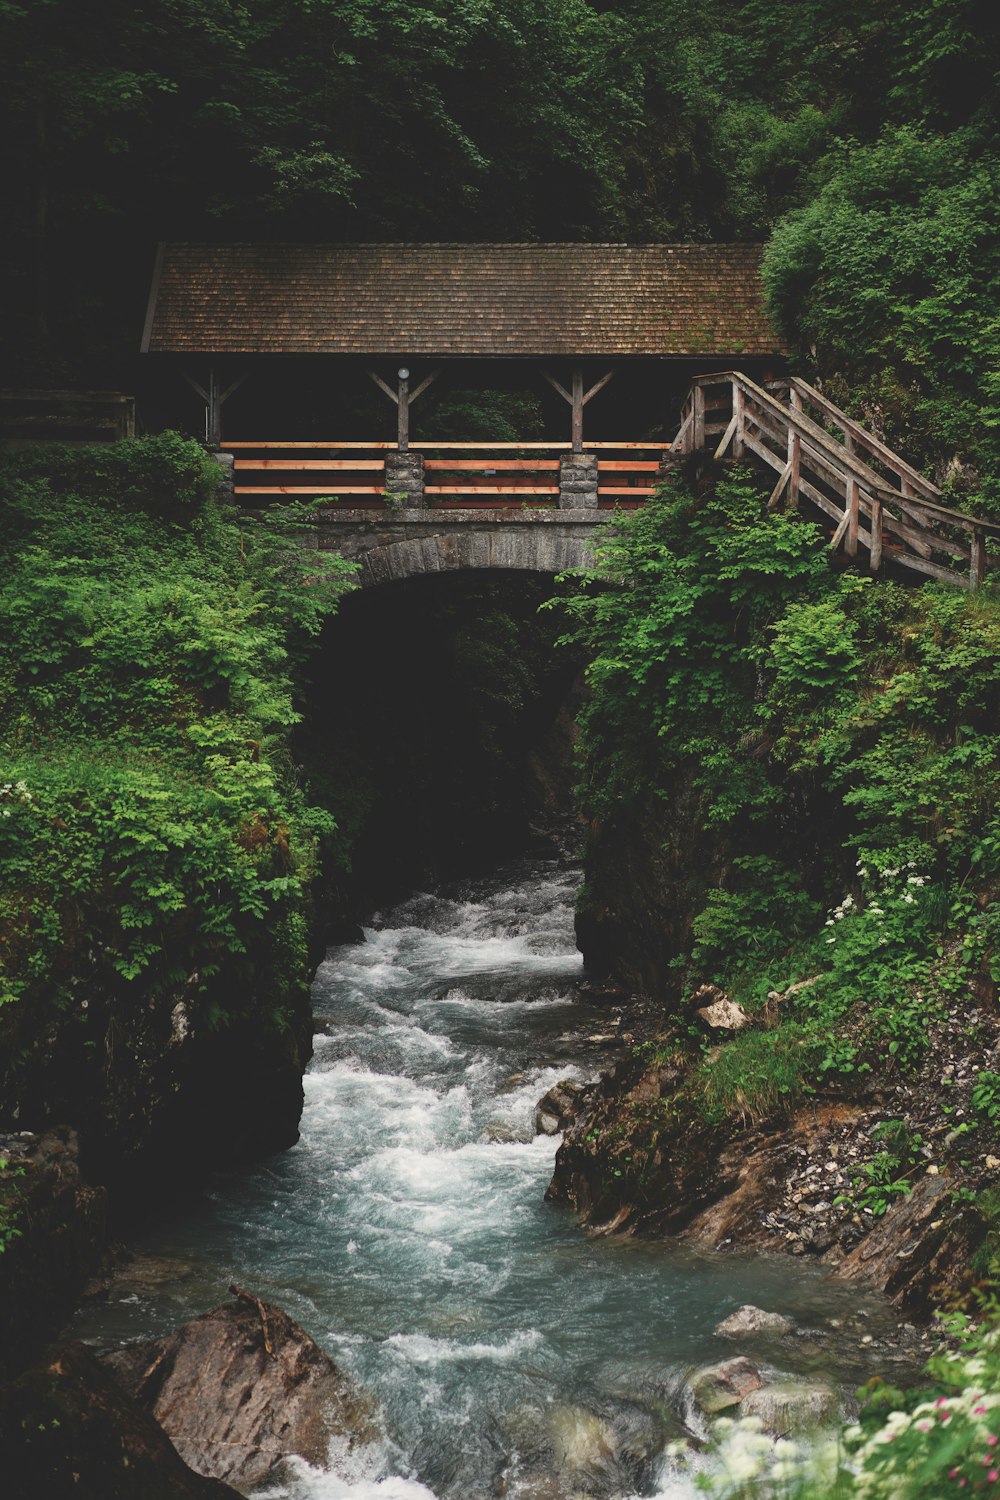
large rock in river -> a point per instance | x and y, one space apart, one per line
242 1388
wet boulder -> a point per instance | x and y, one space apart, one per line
791 1406
597 1449
242 1388
749 1320
559 1108
69 1432
716 1388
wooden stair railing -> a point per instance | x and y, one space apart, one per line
893 511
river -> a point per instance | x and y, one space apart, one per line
408 1232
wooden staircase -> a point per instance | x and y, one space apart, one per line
875 499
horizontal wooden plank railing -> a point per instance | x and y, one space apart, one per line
876 500
456 473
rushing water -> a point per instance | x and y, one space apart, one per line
407 1231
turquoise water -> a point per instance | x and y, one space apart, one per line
510 1353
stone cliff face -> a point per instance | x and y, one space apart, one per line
646 870
163 1087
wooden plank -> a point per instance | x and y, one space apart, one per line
928 569
629 465
387 389
303 489
858 434
576 429
635 489
793 453
852 514
491 489
727 437
923 543
778 490
482 465
316 447
977 560
956 518
605 445
557 386
843 463
739 416
838 535
758 447
597 386
698 428
351 464
875 554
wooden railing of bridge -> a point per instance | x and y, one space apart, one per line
465 475
875 499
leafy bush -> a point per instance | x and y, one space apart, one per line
842 742
152 833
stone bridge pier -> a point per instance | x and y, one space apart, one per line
406 543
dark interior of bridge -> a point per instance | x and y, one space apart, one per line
439 729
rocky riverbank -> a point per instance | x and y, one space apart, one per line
821 1180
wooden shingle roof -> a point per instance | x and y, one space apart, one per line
445 299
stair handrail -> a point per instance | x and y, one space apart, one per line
864 486
860 434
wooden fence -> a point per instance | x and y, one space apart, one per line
876 500
464 475
65 416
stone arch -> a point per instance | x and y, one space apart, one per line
532 549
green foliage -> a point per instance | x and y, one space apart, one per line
891 271
151 828
841 740
986 1097
751 920
890 1172
757 1075
10 1203
939 1438
483 417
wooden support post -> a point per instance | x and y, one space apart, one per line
875 559
403 411
853 517
577 398
698 424
794 464
738 418
977 560
404 399
215 398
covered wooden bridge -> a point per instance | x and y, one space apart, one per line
646 352
609 335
